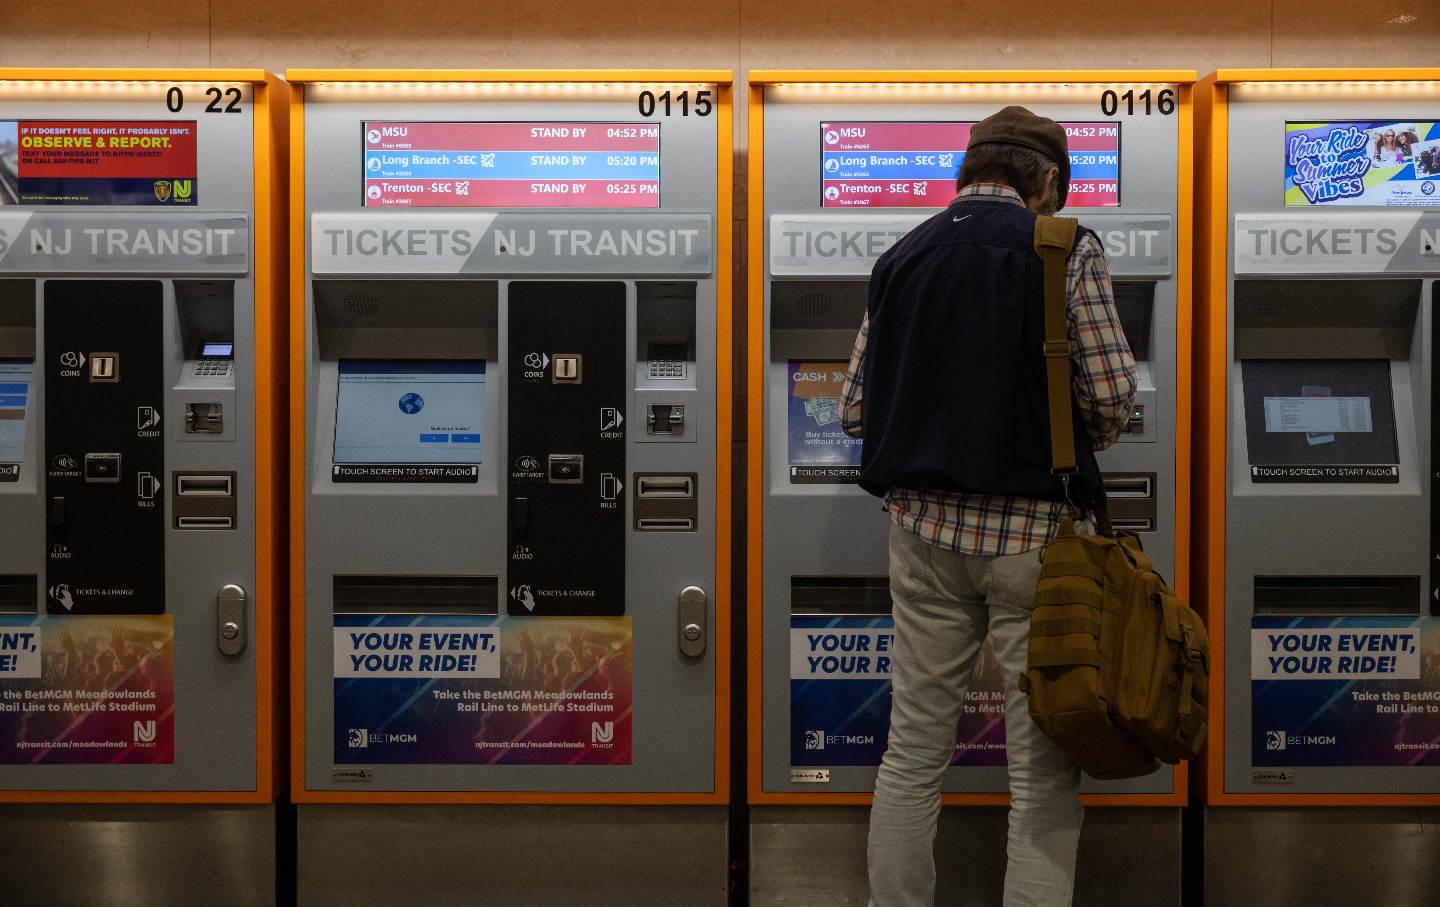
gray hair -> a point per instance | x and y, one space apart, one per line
1021 168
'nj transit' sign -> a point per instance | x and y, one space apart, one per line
1332 242
847 245
490 242
131 242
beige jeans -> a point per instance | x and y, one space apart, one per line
945 604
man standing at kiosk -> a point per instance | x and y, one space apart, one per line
956 441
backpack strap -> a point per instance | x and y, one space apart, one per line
1054 238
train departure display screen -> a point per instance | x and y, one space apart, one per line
913 164
512 165
1388 163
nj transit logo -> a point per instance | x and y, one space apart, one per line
1330 167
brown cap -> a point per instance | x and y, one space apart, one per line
1017 126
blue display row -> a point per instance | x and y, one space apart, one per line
512 165
942 165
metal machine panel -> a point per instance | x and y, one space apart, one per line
821 560
146 473
590 500
1330 627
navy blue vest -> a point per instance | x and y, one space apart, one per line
954 392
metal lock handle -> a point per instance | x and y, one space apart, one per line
230 620
693 619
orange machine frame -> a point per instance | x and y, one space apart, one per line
755 465
271 96
723 81
1212 250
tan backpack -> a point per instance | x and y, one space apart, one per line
1118 664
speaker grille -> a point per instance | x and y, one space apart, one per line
813 305
1271 305
360 304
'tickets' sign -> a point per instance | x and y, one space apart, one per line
98 162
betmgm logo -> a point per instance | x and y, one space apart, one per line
818 740
144 732
358 738
1278 741
602 733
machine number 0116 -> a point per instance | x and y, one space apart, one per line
1146 102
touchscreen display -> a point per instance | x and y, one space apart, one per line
913 165
1319 412
512 165
409 411
1390 163
15 379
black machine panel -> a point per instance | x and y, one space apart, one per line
104 447
567 393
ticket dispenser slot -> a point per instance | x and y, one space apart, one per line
364 594
107 552
572 518
1338 595
18 594
839 595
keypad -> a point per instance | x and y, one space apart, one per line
666 368
212 367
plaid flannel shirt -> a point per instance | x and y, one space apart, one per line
1104 378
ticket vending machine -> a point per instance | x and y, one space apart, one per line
141 436
511 448
1316 505
842 164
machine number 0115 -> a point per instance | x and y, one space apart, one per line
1146 102
665 103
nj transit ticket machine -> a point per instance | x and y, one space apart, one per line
842 164
1321 232
140 446
511 441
